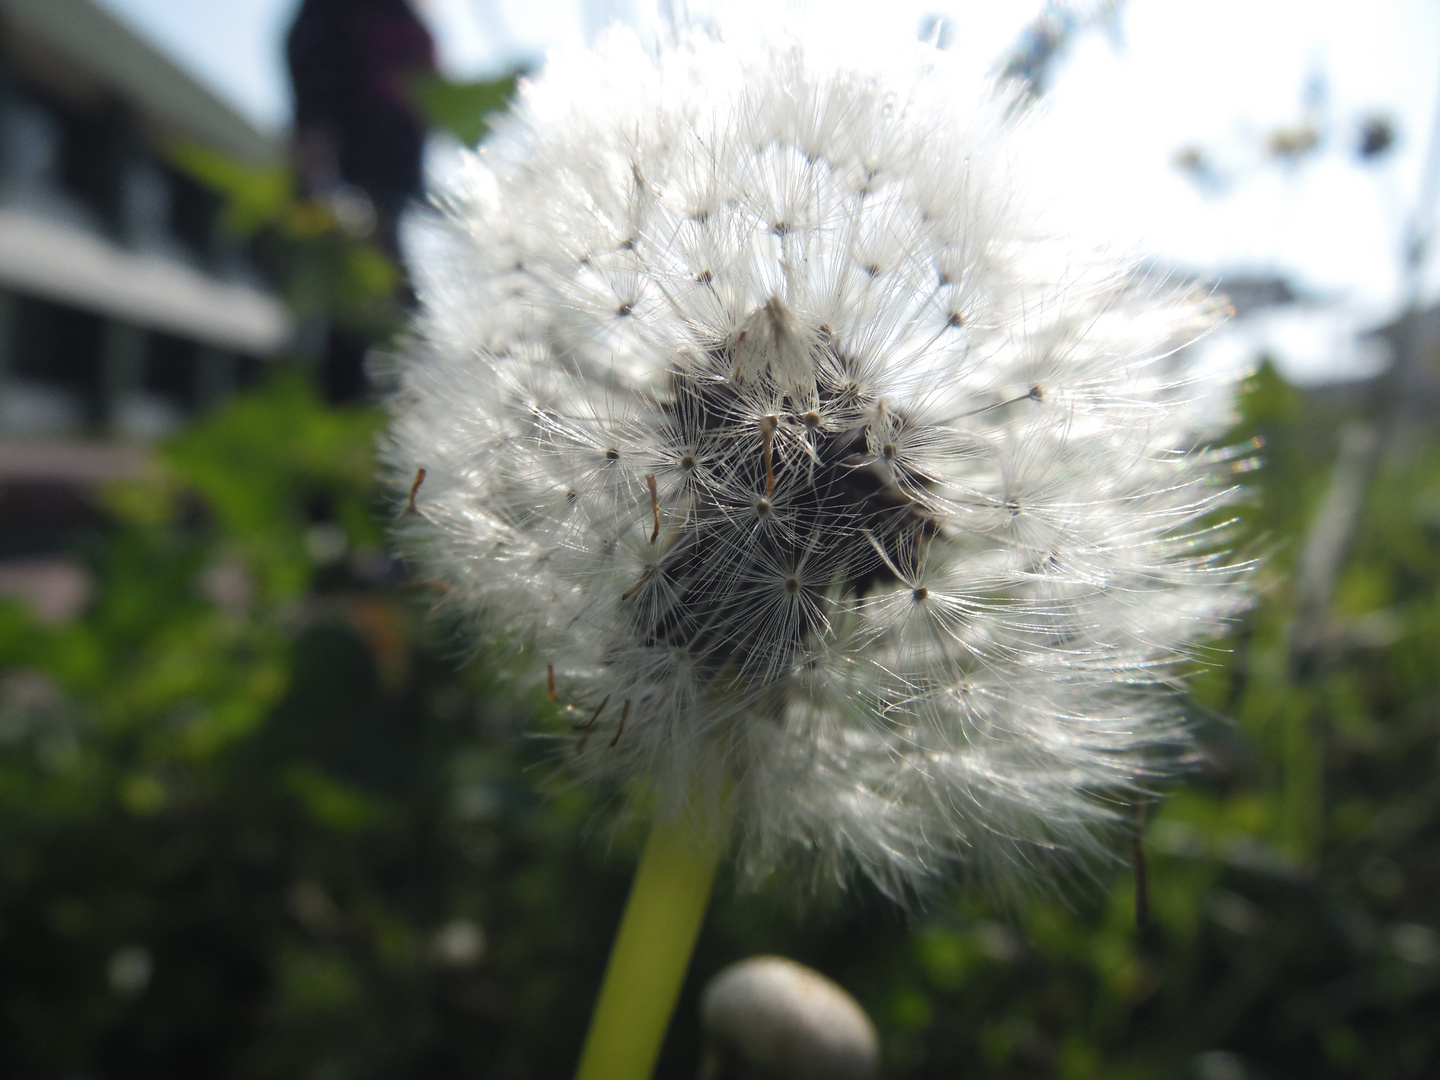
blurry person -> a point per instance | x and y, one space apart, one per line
359 136
357 129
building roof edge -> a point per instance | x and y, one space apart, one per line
144 75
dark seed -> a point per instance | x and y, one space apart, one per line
836 487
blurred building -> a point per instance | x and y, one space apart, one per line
1407 390
1413 341
124 306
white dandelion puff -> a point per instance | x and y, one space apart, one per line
814 474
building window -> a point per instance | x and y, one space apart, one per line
170 364
92 159
30 139
54 371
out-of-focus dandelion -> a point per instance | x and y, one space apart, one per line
857 516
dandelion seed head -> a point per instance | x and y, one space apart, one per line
842 496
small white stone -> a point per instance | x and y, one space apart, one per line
459 943
129 970
783 1019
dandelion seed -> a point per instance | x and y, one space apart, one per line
654 505
589 724
620 727
931 618
767 436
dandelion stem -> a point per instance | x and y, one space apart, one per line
651 952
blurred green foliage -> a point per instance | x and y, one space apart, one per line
463 109
320 250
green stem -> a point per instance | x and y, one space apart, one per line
651 952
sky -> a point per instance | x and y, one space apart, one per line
1166 75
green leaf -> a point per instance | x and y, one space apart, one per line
257 195
330 802
463 108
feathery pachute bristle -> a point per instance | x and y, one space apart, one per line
819 477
